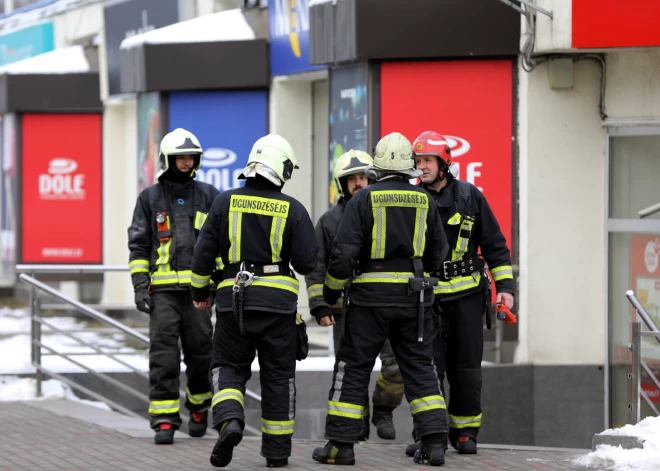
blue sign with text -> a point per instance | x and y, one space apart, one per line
25 43
227 124
289 37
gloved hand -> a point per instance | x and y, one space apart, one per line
143 299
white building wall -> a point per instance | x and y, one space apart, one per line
554 35
74 25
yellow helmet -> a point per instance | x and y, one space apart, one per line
350 163
178 142
276 153
394 154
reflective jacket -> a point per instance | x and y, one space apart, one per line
258 225
470 225
161 254
325 228
386 224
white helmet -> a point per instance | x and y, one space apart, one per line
350 163
394 154
178 142
274 152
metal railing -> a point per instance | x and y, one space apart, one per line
37 288
638 362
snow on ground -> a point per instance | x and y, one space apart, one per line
15 346
13 388
638 459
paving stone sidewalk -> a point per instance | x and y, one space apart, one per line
33 438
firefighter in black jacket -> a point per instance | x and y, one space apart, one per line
463 291
388 393
393 230
258 231
161 238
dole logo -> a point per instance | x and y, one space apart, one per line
61 182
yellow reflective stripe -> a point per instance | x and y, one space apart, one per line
334 283
138 266
171 277
200 218
457 421
235 226
281 282
314 291
228 395
399 198
345 409
198 399
419 237
456 285
199 281
505 272
462 242
164 407
385 277
427 403
277 427
378 233
454 220
392 388
219 265
276 235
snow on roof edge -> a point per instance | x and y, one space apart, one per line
67 60
227 25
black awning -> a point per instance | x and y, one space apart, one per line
195 66
356 30
73 92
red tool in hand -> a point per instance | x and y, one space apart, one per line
504 314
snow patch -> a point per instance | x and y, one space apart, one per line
67 60
636 459
13 388
320 2
228 25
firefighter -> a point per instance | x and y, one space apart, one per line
388 393
166 223
463 290
257 230
393 230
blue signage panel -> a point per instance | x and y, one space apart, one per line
25 43
289 37
227 124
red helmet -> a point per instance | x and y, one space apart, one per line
432 143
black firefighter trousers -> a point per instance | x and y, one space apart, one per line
173 316
366 330
275 338
458 352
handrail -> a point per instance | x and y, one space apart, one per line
637 362
37 345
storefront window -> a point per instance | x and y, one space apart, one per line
634 250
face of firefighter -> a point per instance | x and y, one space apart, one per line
356 182
185 163
428 164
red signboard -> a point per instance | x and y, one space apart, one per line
61 191
471 103
615 23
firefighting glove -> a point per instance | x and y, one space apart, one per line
143 300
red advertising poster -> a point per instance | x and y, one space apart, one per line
615 23
61 192
645 267
471 103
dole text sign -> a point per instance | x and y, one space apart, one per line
61 191
471 104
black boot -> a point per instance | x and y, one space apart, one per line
276 463
364 430
197 424
466 445
413 448
335 453
229 436
432 451
383 421
164 434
